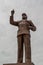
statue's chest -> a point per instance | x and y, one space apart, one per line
23 23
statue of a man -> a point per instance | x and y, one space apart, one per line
23 36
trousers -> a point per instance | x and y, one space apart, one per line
24 40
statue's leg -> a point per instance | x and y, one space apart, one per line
20 49
27 48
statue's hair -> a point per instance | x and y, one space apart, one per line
24 14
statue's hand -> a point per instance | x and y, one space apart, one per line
30 27
12 12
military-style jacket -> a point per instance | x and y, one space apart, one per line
23 26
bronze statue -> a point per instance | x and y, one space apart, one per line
23 36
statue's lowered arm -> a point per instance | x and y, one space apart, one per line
32 26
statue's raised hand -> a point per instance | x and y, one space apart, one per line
12 12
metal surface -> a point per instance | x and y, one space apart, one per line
23 37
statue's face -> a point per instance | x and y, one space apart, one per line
24 17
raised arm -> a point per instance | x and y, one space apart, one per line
32 26
12 20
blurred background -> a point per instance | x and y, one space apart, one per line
8 33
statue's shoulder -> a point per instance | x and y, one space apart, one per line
29 21
20 21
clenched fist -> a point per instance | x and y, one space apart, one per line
12 12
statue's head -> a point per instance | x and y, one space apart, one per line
24 16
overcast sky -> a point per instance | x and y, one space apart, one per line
8 33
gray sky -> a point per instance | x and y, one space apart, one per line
8 33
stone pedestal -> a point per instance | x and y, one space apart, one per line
19 64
